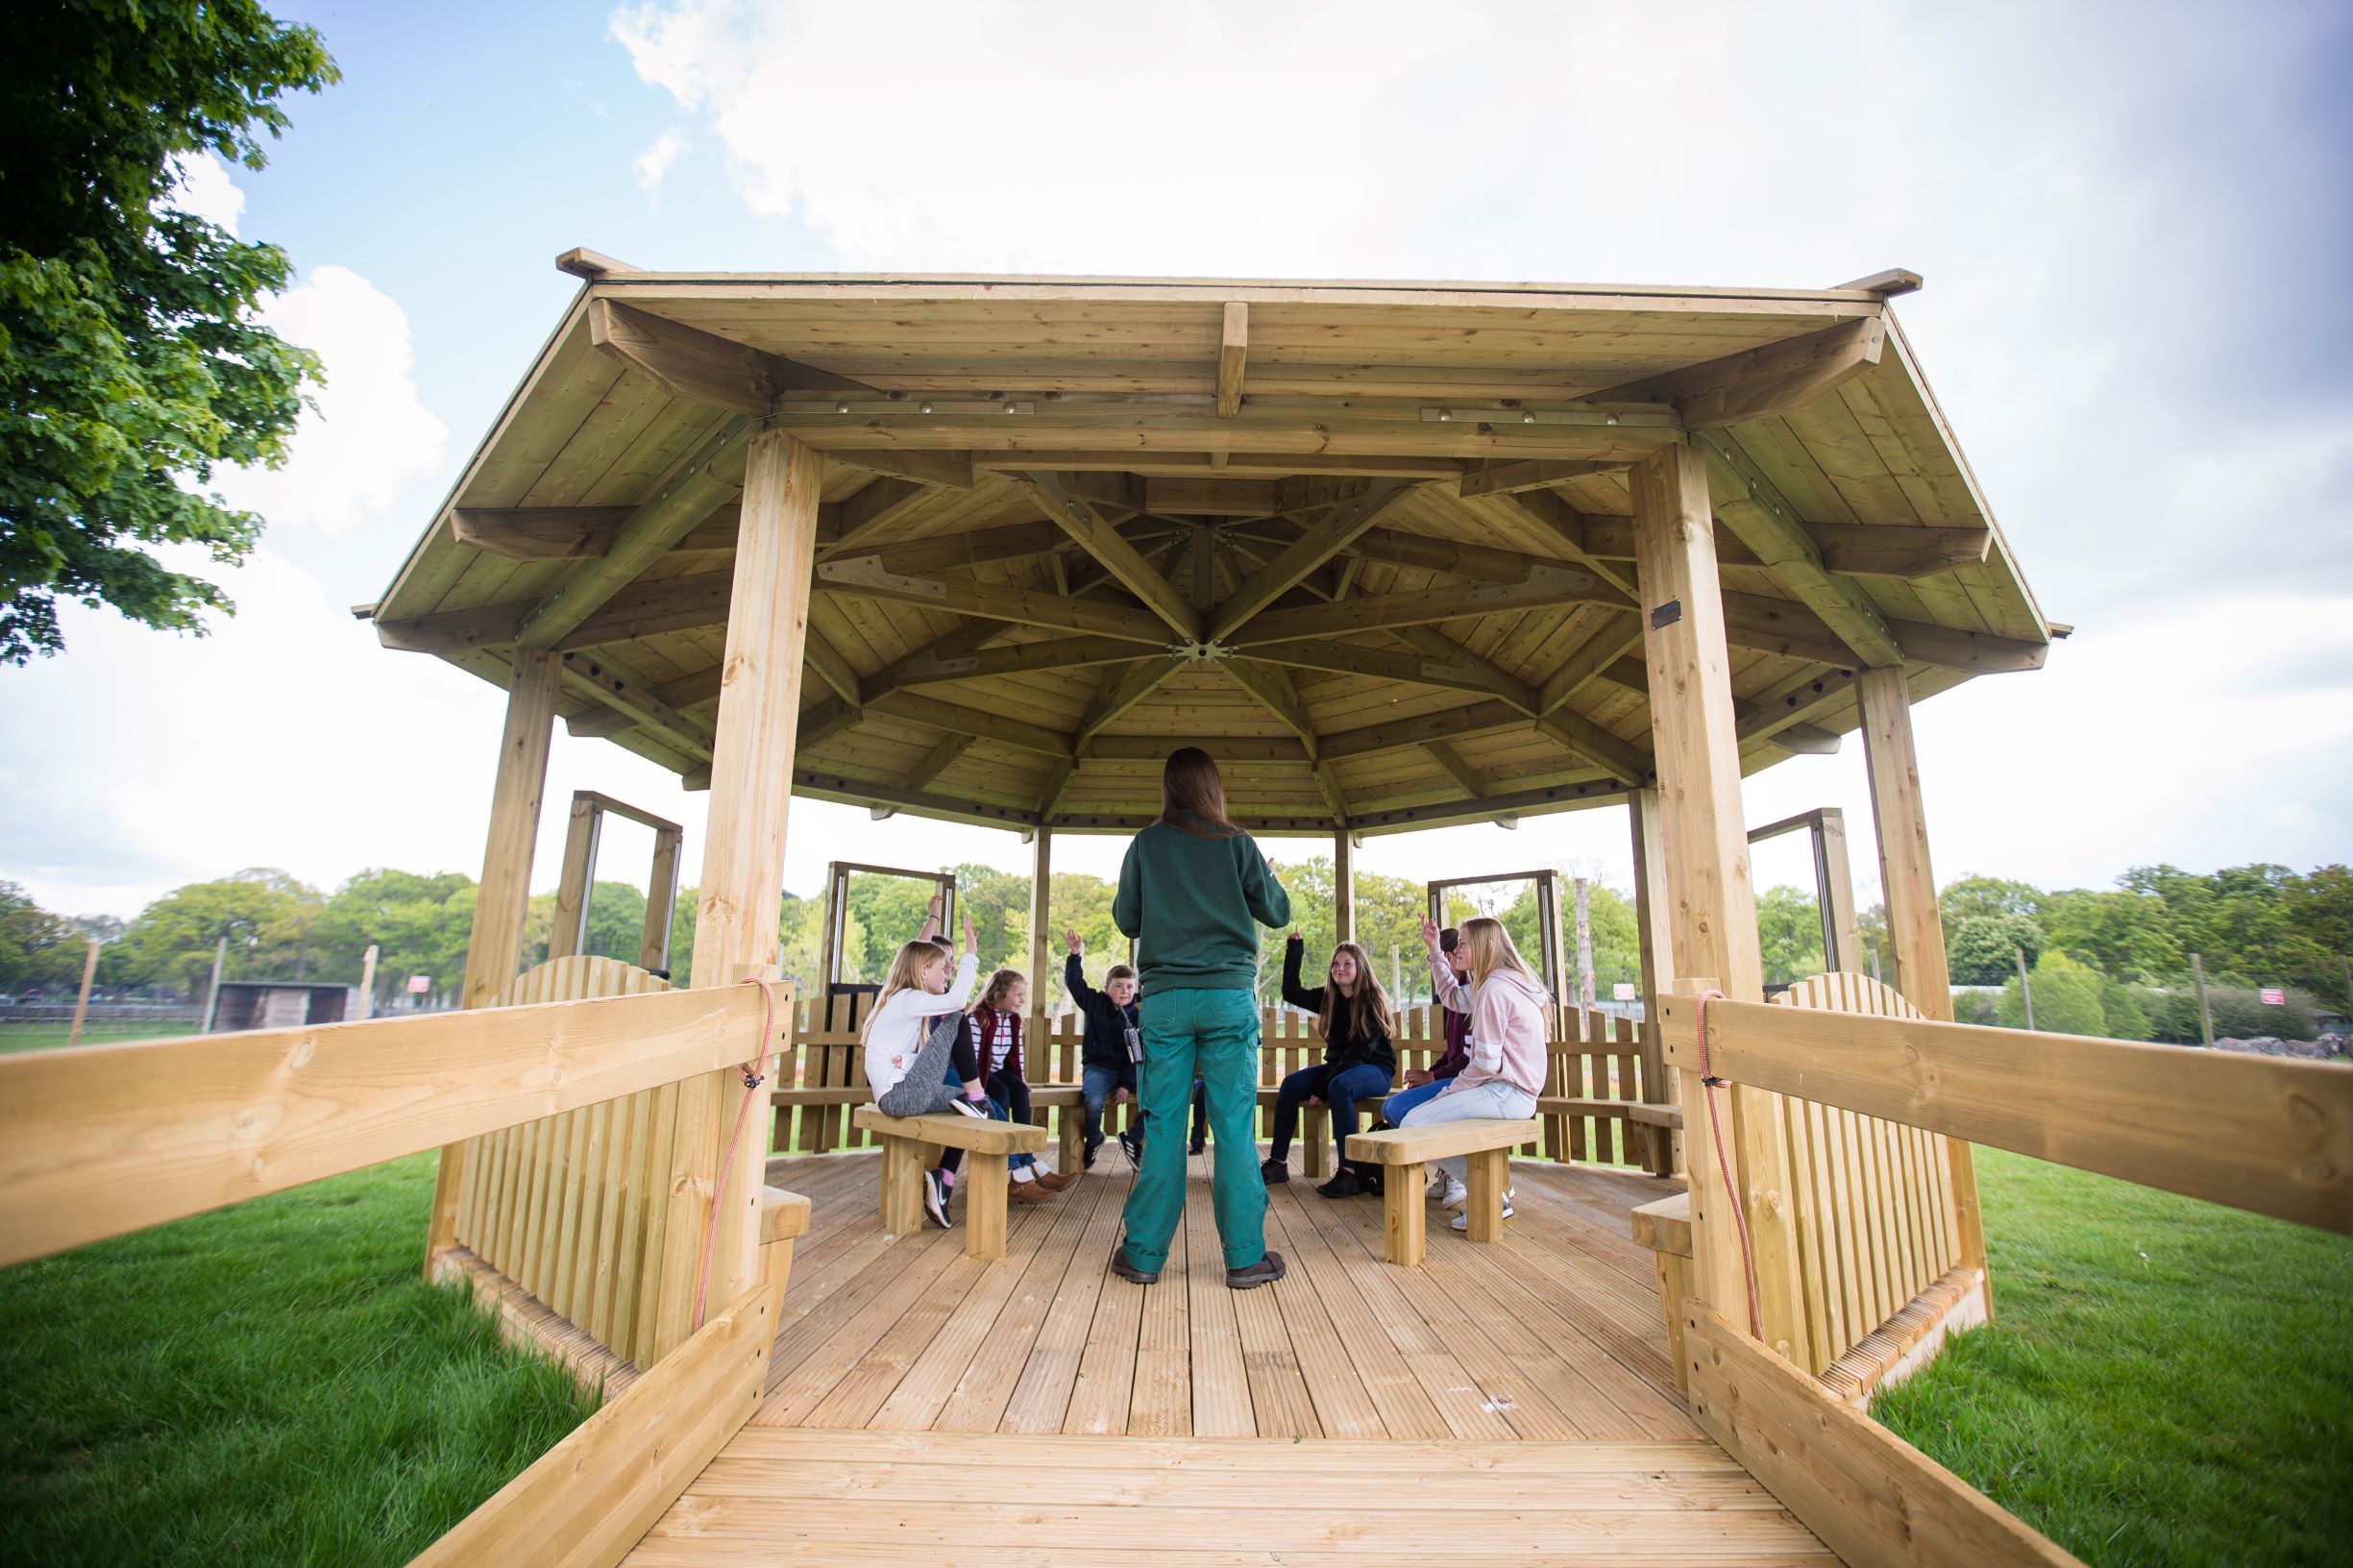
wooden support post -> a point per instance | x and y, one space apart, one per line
568 935
1834 880
367 982
1706 846
2026 989
82 998
1489 1172
743 868
1343 887
1041 985
503 896
1585 996
661 901
213 987
1908 884
1656 947
2197 977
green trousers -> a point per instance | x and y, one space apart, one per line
1216 1035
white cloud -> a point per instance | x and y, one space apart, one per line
201 184
368 437
652 165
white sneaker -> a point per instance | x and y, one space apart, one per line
1456 1194
1437 1187
1462 1221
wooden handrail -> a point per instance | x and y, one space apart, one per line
105 1139
2270 1136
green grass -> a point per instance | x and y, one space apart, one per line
272 1382
2163 1381
43 1037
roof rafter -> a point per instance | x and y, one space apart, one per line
1546 588
1315 545
861 576
703 367
1757 383
1233 349
1093 532
1124 690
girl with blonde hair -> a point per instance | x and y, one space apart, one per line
1504 1001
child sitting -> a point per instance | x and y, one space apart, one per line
1109 1069
1505 1072
997 1034
1357 1024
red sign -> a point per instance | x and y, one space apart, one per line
420 984
2274 996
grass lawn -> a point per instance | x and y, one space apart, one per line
272 1382
2163 1381
46 1037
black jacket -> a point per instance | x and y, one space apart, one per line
1105 1046
1370 1043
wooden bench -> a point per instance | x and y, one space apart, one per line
1664 1226
1405 1152
911 1146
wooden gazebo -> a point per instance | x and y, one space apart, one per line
1400 554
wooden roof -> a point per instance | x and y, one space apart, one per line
1368 543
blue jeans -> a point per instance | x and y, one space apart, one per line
1393 1109
1095 1086
1339 1087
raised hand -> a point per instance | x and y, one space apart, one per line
1295 937
1069 936
934 905
1429 933
972 938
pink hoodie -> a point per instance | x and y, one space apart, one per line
1507 1026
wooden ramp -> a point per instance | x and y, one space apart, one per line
779 1495
1504 1402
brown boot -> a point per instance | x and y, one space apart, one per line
1054 1180
1029 1192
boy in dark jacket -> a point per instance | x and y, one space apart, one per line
1103 1051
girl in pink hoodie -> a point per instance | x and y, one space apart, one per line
1506 1071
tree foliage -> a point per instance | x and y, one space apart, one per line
132 360
1982 949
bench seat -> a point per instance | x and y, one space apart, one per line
911 1146
1404 1151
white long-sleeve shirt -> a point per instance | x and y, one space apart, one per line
896 1031
1506 1016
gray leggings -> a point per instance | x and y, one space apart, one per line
925 1088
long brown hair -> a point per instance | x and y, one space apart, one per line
1000 984
1491 948
1367 1010
907 968
1190 784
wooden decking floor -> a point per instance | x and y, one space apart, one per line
922 1405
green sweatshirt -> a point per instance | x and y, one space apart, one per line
1191 902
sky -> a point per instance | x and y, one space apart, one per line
2104 201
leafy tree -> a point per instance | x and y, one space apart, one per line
36 947
419 925
2125 932
131 355
1789 934
2067 999
268 918
1975 898
1982 949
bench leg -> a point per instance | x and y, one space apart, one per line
1073 1155
1490 1172
1672 1288
1314 1139
1403 1216
902 1185
985 1182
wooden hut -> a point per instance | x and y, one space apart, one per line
983 548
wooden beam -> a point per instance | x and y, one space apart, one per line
104 1139
1201 464
1382 663
1391 735
1770 527
860 576
826 784
743 867
1974 650
1042 940
936 761
1864 550
1785 627
1760 383
1460 771
1445 651
1185 496
708 475
703 367
1611 642
1567 795
1547 588
1270 687
630 696
1233 349
1485 562
1607 537
1328 785
1013 659
956 719
1705 846
590 265
980 547
831 665
1572 530
1527 474
1628 762
1122 691
572 884
872 511
1093 532
1049 801
949 470
539 533
1315 546
1343 887
1886 284
1224 747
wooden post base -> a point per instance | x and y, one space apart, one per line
1315 1141
1490 1172
1405 1215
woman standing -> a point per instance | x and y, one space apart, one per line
1190 888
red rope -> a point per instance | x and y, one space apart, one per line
1715 1129
753 1078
